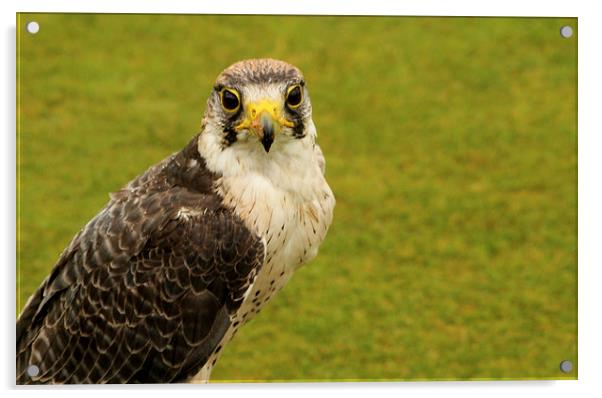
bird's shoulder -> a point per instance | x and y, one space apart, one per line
171 208
163 259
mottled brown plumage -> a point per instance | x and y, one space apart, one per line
259 71
98 318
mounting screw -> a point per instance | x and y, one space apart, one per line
566 366
33 371
566 31
32 27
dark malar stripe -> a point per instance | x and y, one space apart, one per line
230 137
299 129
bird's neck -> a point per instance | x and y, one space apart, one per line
266 188
288 161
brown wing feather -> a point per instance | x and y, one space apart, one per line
143 293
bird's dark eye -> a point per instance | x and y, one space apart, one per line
230 99
294 96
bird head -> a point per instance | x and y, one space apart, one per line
258 103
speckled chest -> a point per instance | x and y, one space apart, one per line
292 228
292 225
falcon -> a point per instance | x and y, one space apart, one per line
155 285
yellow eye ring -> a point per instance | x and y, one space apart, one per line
230 99
294 96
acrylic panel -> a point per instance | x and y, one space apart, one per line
450 145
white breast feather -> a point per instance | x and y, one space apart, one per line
283 197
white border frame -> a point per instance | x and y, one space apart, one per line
590 193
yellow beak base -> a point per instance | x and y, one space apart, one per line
260 115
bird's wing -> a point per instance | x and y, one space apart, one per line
142 294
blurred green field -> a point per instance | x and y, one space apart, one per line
451 146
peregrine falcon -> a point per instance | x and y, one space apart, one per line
155 285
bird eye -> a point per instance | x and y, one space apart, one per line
230 99
294 96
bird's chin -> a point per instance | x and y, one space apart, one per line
249 142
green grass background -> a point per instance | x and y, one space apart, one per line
450 146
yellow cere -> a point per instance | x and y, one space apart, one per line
254 111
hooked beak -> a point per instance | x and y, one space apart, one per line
265 119
267 132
